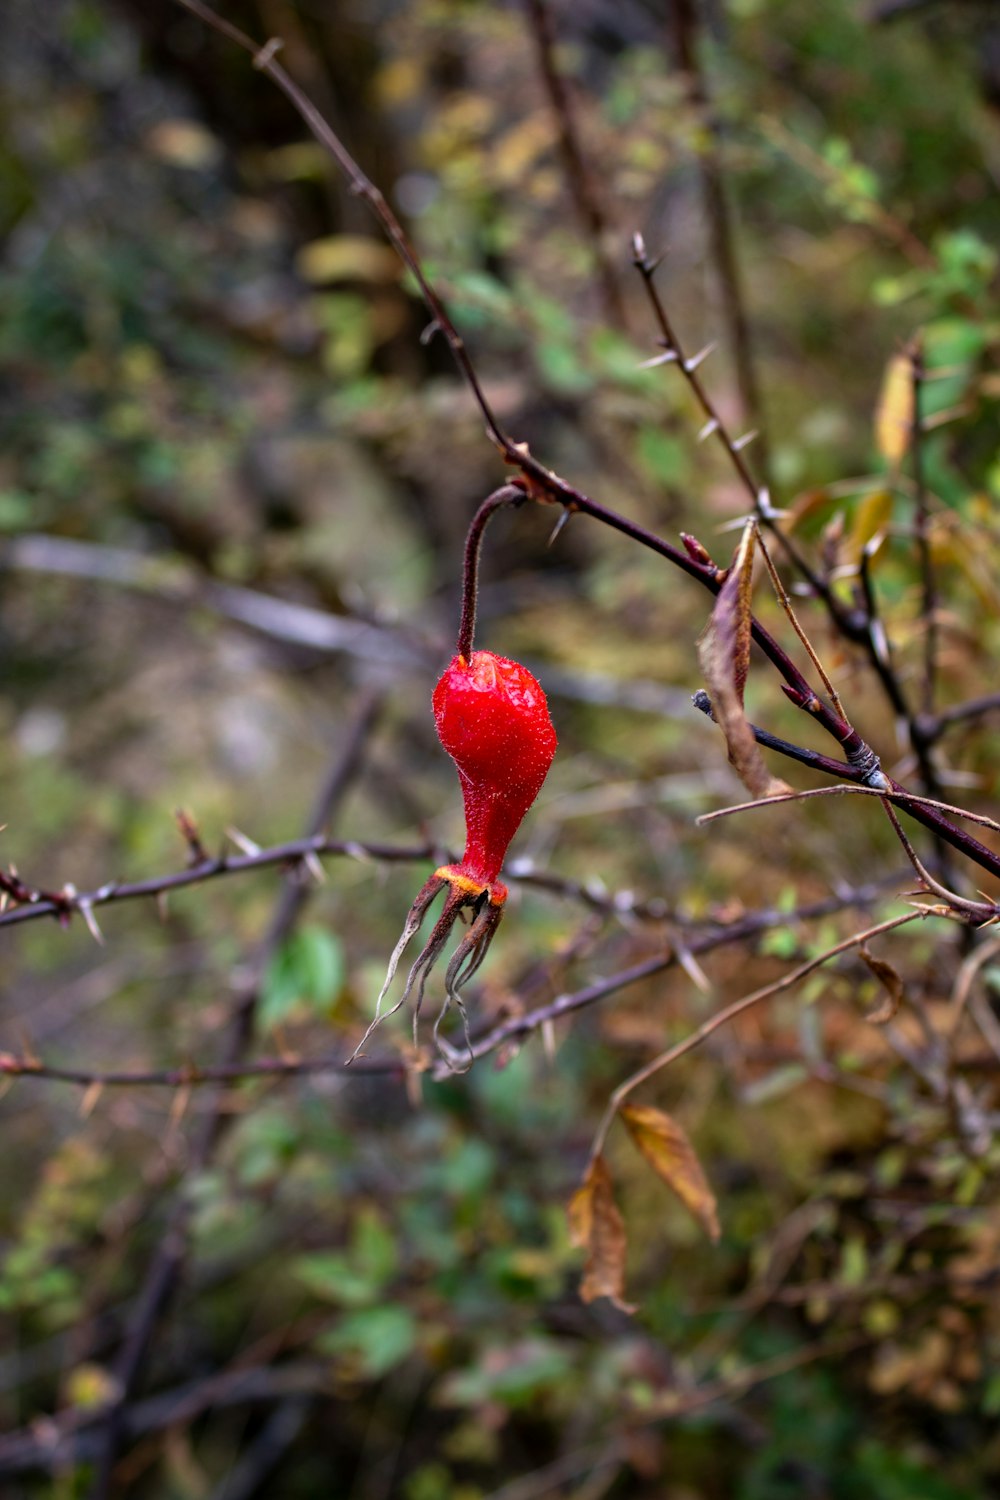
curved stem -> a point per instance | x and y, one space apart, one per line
508 494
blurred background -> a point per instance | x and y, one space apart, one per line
234 487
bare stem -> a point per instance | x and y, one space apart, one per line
579 179
730 1012
509 494
546 486
685 28
922 521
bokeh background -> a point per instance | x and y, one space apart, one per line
234 486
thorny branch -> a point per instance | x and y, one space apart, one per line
580 180
544 485
513 1030
167 1263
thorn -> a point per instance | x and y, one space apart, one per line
712 425
242 841
764 505
693 969
179 1104
666 358
745 440
431 331
86 911
91 1095
879 641
690 365
267 53
162 905
312 864
549 1039
557 528
359 852
638 246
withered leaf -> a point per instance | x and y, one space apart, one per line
894 413
724 657
666 1147
890 982
596 1225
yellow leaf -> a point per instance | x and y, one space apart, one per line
724 657
666 1147
596 1226
871 516
894 413
90 1386
348 257
519 148
183 143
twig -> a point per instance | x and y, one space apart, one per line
516 1028
718 934
685 27
579 179
730 1012
36 904
734 448
165 1268
280 619
922 523
867 773
508 495
547 486
961 713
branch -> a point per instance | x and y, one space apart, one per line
543 483
719 934
35 904
685 26
580 181
169 580
165 1268
730 1012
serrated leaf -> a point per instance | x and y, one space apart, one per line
724 657
890 981
596 1225
894 413
666 1147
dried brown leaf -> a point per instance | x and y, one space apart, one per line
666 1147
891 982
724 657
596 1225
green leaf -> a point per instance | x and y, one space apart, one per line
305 975
379 1337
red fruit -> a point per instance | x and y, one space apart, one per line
493 720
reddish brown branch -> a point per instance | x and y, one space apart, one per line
545 485
579 179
